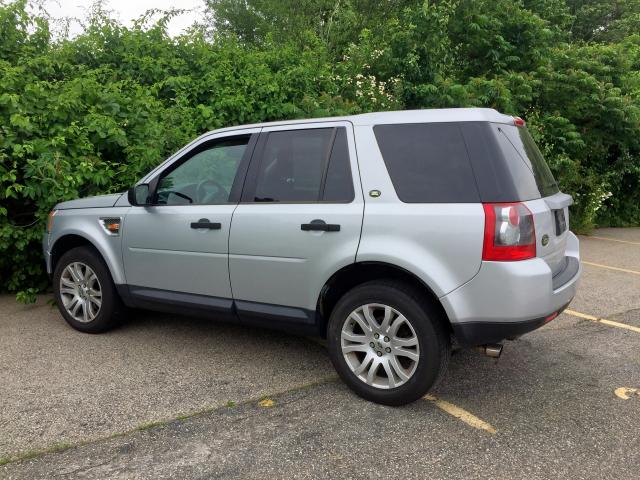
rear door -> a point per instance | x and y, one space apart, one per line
299 220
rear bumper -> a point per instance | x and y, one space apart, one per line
482 333
508 299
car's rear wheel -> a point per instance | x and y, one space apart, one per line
387 342
85 293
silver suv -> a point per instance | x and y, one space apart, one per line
390 234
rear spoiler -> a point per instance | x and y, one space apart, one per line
559 200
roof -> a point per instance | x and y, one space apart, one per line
432 115
402 116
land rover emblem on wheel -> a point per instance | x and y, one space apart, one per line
283 225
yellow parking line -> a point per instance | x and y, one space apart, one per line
612 239
460 413
604 321
626 270
625 392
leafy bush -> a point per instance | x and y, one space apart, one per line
91 114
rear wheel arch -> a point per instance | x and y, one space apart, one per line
393 332
358 273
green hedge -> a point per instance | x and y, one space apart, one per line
91 114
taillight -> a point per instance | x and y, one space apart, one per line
509 233
518 122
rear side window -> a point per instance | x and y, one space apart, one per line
308 165
428 162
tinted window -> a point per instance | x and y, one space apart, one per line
206 177
295 163
339 184
507 164
526 149
499 179
427 162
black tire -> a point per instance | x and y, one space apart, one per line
426 320
112 311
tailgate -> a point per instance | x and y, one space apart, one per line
551 220
537 188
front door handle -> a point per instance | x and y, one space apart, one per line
205 223
320 226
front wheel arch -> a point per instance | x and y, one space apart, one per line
110 311
71 240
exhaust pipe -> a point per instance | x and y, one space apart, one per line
493 350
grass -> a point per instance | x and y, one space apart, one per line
29 454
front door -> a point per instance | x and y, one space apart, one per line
176 250
298 222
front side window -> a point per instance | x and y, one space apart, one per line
307 165
206 177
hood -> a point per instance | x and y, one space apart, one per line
100 201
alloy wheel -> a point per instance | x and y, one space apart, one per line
80 292
380 345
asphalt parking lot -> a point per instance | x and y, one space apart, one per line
171 397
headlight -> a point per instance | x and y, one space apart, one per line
52 214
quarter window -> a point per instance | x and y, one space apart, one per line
307 165
427 162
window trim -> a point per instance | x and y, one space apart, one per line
238 181
251 181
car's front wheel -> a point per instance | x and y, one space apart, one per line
387 342
85 293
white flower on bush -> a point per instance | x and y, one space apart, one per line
601 198
369 89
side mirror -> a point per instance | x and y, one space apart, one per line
139 195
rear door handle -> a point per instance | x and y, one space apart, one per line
205 223
320 226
